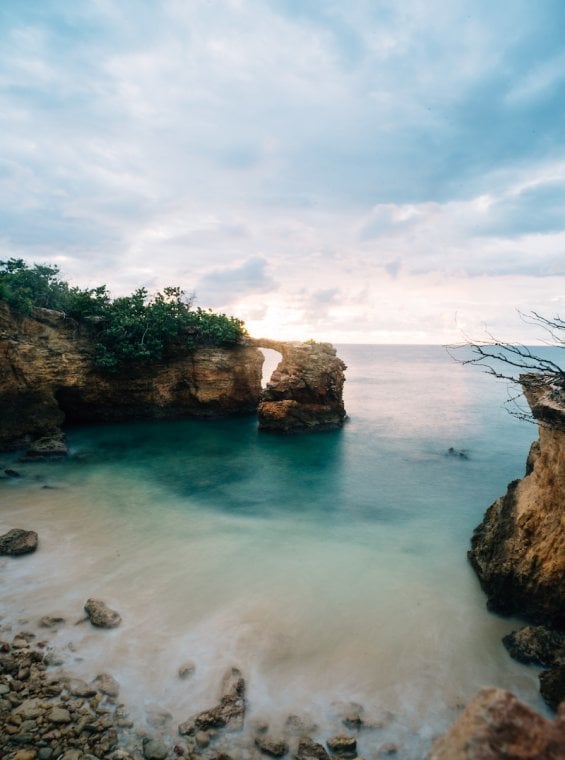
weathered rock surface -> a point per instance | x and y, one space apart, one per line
310 750
270 745
343 745
230 711
518 551
101 615
497 725
47 377
537 645
305 391
552 685
18 541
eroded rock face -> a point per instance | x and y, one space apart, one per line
495 725
47 377
518 551
305 392
18 541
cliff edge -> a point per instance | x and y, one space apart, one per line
518 551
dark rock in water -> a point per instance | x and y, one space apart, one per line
100 615
552 687
346 746
47 447
275 747
459 453
51 621
388 749
18 541
229 713
310 750
537 645
186 669
497 725
12 473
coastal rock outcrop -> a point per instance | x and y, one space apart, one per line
496 724
47 377
305 391
518 551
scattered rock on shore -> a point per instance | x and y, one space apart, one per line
18 541
101 615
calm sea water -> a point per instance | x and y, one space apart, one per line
329 567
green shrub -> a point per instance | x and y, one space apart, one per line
126 330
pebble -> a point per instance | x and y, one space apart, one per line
59 715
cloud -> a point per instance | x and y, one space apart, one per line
221 286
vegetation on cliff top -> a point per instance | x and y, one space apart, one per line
130 329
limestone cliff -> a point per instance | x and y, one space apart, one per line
47 377
518 551
305 391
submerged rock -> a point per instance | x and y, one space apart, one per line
343 745
310 750
497 725
536 644
18 541
48 447
107 684
100 615
273 746
186 669
230 711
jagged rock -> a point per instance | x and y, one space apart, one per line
305 391
537 645
275 747
107 684
100 615
310 750
18 541
229 713
552 686
497 725
343 745
518 551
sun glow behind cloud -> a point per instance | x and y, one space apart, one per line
363 172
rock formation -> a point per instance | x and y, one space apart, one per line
518 551
305 391
18 541
48 377
497 725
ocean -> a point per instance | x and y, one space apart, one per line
330 568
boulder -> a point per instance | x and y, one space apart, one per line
494 725
18 541
270 745
310 750
552 686
535 644
107 684
343 745
100 615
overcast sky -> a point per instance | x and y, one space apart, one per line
362 171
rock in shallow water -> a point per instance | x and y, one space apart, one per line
536 644
18 541
552 686
100 615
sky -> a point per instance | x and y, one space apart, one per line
371 171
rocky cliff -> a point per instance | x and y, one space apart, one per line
47 377
518 551
305 391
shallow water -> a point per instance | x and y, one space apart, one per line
330 567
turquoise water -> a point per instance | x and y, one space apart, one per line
329 567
